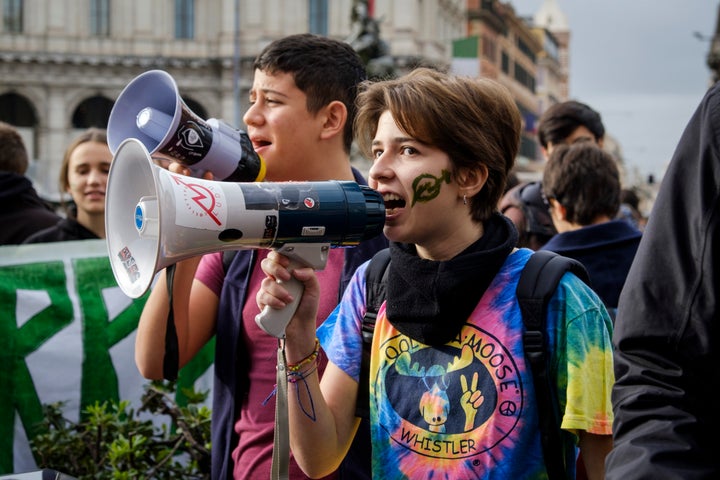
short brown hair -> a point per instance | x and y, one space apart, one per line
475 121
13 154
585 180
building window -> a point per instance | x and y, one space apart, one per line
525 48
92 112
551 47
100 18
13 16
318 16
17 110
524 78
184 18
489 49
505 63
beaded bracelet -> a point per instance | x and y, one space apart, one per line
294 377
295 367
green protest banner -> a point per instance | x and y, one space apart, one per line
67 335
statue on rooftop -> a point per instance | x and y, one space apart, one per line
365 39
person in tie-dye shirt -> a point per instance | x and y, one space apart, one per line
451 394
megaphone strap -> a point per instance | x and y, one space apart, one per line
170 360
281 440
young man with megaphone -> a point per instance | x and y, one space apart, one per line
300 123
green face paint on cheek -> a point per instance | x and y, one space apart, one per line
427 186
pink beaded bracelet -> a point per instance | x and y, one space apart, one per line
294 367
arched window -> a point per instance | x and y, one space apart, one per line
198 109
17 110
92 112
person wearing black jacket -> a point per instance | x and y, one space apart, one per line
666 331
22 211
83 175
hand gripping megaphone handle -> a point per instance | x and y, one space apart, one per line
274 321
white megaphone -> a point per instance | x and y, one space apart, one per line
150 109
155 218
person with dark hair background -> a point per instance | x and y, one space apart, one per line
22 211
524 206
581 185
630 208
562 123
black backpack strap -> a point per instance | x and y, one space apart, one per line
375 291
538 282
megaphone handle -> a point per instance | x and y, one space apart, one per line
274 321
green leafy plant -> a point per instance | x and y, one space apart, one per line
111 442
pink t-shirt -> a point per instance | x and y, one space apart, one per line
253 455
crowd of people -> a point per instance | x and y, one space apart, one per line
631 352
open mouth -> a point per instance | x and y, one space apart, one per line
392 203
260 144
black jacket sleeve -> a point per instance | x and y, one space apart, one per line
667 416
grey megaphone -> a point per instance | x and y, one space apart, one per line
150 109
155 218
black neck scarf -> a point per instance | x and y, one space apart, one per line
430 301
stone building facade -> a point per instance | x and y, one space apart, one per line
64 62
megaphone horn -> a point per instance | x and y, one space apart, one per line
155 218
150 109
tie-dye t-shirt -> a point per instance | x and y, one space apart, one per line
467 409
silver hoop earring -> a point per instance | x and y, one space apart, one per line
464 199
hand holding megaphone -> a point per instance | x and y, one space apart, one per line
155 218
150 109
274 321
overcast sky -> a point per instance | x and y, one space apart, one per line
640 64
